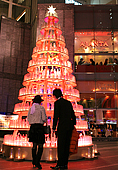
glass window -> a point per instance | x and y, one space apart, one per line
98 58
116 42
100 46
4 9
90 42
100 97
87 95
105 100
83 42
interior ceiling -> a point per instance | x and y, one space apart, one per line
84 2
93 2
14 1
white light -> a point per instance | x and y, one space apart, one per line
3 17
95 148
72 2
11 153
51 10
21 16
18 153
20 1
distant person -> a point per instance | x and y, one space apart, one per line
95 132
81 61
99 132
107 133
92 62
75 65
115 61
36 118
106 61
101 63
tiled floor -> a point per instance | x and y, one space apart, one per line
27 165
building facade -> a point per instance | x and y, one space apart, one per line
96 38
14 57
90 32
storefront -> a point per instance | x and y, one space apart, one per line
99 94
99 46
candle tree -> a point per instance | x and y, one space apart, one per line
48 69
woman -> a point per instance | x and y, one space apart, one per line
115 61
37 117
106 61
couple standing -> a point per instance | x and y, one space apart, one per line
64 118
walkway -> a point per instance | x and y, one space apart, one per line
107 160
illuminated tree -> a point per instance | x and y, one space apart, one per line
48 69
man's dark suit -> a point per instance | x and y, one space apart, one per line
65 118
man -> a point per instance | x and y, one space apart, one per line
81 61
92 62
65 119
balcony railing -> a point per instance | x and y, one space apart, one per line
97 68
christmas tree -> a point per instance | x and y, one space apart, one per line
48 69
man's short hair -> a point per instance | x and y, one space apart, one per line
57 93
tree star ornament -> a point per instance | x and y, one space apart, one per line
51 10
51 13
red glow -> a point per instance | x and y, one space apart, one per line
48 69
92 98
106 97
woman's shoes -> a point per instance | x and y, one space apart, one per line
34 164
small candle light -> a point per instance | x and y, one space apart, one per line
95 147
11 153
1 148
19 156
50 155
89 154
93 152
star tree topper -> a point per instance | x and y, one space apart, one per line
51 10
51 13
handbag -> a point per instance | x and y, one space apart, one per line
47 129
74 142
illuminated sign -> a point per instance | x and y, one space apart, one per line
94 44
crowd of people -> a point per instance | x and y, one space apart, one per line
92 62
98 132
